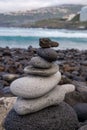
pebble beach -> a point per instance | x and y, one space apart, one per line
72 65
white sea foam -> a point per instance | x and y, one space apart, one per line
24 37
39 32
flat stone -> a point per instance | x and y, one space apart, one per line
60 117
41 72
34 86
47 43
54 97
48 54
39 62
10 77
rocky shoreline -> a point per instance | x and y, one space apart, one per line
72 62
73 67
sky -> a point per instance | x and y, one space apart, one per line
17 5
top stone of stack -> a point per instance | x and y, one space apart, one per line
47 43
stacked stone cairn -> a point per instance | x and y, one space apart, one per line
40 88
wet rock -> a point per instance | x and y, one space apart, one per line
47 54
61 117
47 43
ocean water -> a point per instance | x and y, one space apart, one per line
24 37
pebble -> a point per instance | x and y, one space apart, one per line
10 77
39 62
47 43
34 86
48 54
41 72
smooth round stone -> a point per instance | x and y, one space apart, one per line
39 62
60 117
81 110
47 43
34 86
41 72
48 54
54 97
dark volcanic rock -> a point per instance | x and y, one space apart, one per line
61 117
47 54
83 127
47 43
81 110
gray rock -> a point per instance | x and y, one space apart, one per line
60 117
54 97
41 72
39 62
10 77
34 86
47 54
83 127
82 89
84 62
80 86
6 91
81 110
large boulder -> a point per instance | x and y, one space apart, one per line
60 117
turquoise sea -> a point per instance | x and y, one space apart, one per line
24 37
